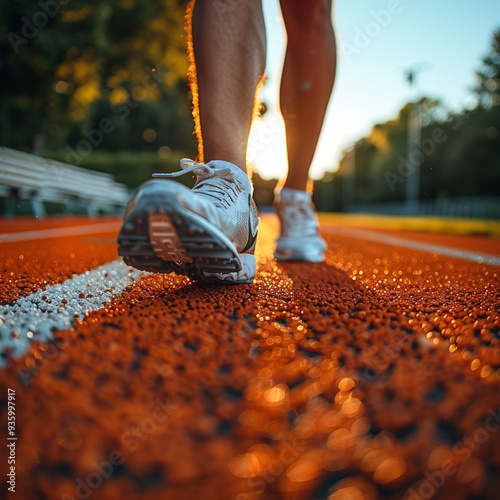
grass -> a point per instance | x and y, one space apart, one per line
429 224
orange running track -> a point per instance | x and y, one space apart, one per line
373 375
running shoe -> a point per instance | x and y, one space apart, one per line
299 238
206 233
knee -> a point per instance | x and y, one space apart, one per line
311 16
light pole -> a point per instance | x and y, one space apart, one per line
413 146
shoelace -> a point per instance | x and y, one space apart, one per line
187 167
224 194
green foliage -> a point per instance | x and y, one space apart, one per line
468 162
488 78
459 155
263 190
103 85
64 63
327 194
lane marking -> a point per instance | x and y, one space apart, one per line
103 227
363 234
36 318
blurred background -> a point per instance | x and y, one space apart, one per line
412 128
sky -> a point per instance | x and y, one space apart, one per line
378 40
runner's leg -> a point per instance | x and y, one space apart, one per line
229 42
307 81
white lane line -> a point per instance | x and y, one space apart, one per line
480 258
36 318
103 227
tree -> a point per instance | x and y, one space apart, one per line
488 78
60 61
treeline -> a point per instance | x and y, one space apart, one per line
84 76
103 85
459 153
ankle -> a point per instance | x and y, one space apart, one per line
299 183
289 195
225 152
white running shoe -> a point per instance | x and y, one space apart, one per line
299 238
208 232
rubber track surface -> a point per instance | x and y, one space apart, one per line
30 265
373 375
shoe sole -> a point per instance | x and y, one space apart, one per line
298 257
314 253
160 236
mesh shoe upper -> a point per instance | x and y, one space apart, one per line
299 236
222 195
206 233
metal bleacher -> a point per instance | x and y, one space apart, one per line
30 178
